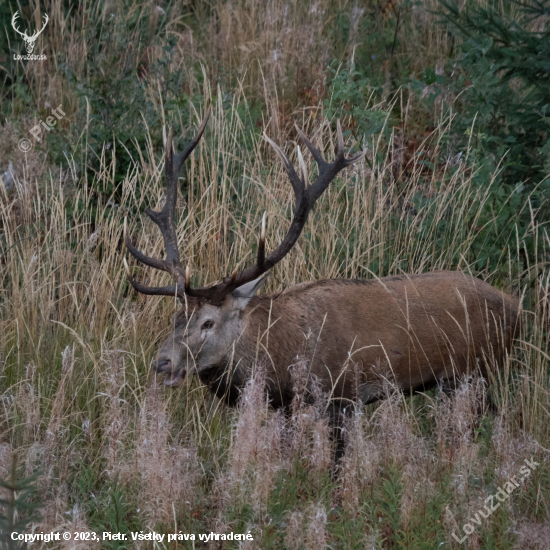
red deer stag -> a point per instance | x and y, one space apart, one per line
419 329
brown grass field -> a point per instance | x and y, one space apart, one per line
116 451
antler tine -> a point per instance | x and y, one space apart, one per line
187 279
150 290
173 290
261 244
182 157
297 184
151 262
312 149
328 171
165 220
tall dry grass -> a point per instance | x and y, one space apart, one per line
79 401
275 52
78 392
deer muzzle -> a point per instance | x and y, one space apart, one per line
174 377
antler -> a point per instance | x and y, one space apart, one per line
305 195
165 221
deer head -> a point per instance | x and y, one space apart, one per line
212 318
29 40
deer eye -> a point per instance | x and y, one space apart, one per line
207 324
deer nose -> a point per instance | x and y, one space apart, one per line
163 366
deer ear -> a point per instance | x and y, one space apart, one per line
244 293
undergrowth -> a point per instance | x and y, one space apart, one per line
105 445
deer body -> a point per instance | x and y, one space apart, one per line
397 327
414 330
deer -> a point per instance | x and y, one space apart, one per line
29 40
422 330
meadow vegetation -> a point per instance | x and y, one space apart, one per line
455 177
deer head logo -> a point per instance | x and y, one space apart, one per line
29 40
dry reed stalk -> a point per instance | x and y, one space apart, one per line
64 289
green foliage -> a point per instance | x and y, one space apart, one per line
505 67
375 69
113 104
501 78
501 82
389 504
125 99
350 95
20 507
5 25
109 507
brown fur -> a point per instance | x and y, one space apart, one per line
413 329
